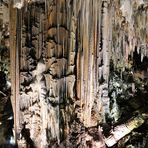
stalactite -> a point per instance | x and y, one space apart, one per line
104 57
60 62
64 49
126 21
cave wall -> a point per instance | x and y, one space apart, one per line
62 54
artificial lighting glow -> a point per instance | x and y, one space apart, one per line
12 141
10 118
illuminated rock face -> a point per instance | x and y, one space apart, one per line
65 48
18 4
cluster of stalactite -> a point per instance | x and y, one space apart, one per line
64 67
63 53
129 31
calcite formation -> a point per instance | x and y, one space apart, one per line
61 53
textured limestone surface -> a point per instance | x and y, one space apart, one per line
71 62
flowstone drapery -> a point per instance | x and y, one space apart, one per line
61 54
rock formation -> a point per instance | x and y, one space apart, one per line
70 62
